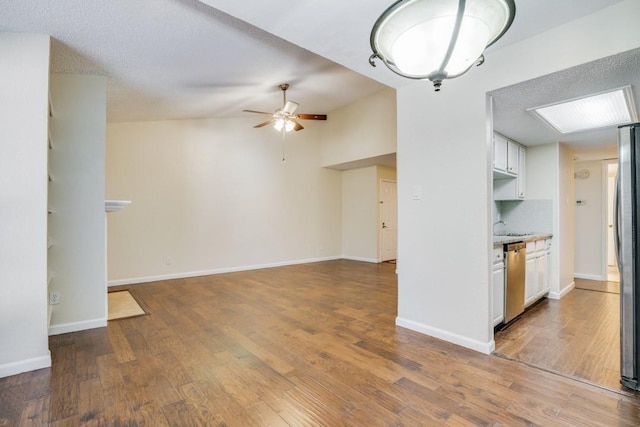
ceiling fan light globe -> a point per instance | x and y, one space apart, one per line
281 123
288 125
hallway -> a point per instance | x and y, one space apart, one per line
578 336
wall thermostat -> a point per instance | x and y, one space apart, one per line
582 174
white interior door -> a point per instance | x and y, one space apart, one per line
388 220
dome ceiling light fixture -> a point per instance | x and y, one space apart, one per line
438 39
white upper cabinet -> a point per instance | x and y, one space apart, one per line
509 169
500 153
513 150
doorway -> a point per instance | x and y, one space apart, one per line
611 173
388 220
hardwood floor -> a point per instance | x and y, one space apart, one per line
597 285
306 345
577 336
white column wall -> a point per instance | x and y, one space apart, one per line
543 182
567 216
24 85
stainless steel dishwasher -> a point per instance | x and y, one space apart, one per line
516 254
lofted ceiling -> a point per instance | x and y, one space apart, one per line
175 59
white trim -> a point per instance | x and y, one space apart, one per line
589 277
482 347
363 259
65 328
20 366
562 293
604 219
147 279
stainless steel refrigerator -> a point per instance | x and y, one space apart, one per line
627 238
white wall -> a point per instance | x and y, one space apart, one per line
24 85
590 222
443 147
363 129
76 197
543 177
360 214
567 215
214 195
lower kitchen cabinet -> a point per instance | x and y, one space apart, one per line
530 280
498 286
536 283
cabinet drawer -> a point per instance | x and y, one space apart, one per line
498 255
531 249
540 245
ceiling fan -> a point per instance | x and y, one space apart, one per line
285 119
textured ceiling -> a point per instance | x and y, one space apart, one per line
171 59
511 103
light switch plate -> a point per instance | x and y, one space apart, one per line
416 192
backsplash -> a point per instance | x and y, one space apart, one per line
525 216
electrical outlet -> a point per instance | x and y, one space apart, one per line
168 260
54 298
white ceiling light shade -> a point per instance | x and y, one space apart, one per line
438 39
601 110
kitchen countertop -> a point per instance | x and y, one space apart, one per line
499 240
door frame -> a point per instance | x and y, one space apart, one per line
379 225
605 216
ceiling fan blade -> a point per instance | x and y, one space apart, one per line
312 116
268 122
290 107
297 126
258 112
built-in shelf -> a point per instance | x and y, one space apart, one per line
115 205
50 106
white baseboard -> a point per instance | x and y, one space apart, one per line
482 347
359 258
20 366
563 292
147 279
65 328
589 277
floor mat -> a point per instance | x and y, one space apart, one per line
122 305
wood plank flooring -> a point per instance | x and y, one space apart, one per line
577 336
306 345
597 285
